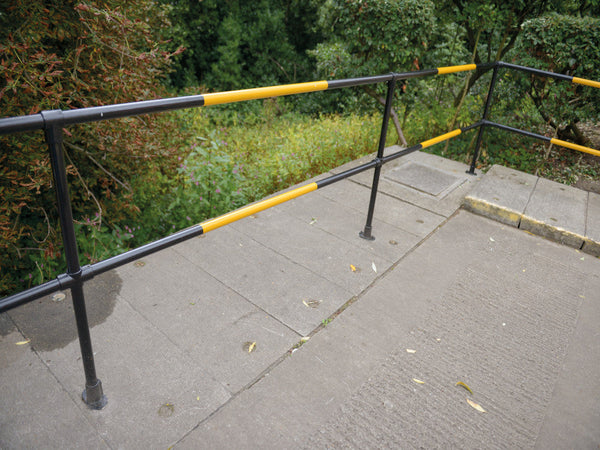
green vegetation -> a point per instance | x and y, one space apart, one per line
135 180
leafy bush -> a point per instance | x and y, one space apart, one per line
68 55
208 183
567 45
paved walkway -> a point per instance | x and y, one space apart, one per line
286 330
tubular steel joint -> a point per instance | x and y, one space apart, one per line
52 118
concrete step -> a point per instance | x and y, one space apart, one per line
562 213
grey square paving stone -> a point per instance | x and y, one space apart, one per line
423 178
205 318
266 278
345 222
35 410
558 212
391 210
156 392
502 194
320 252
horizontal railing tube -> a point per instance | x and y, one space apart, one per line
29 295
543 73
107 112
566 144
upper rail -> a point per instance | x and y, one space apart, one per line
107 112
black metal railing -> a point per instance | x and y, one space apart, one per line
53 122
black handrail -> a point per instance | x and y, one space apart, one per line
53 122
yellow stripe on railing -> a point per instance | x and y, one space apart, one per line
592 83
246 211
579 148
217 98
453 69
441 138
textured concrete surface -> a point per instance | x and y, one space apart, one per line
558 212
497 315
555 211
511 315
592 226
503 195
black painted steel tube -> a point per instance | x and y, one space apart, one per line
21 123
366 232
92 394
488 103
543 73
144 250
29 295
518 131
346 174
98 113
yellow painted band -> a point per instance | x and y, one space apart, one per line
579 148
246 211
592 83
453 69
218 98
441 138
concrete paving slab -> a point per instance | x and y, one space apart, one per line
204 318
35 410
156 393
502 195
592 226
556 211
446 204
393 211
267 279
352 384
318 251
344 222
423 178
51 324
577 387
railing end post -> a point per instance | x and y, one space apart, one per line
94 397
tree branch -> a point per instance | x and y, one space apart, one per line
381 100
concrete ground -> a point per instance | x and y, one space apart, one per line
286 330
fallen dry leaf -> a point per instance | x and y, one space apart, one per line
418 381
311 303
475 405
460 383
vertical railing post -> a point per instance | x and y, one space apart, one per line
366 233
93 395
486 111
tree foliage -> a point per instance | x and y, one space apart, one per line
236 44
370 38
568 45
69 55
